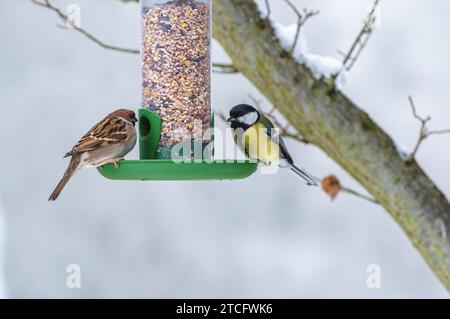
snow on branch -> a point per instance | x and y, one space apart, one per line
292 38
301 20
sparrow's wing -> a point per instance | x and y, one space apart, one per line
107 132
270 130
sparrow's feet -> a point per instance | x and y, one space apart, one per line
116 161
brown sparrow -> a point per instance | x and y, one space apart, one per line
107 142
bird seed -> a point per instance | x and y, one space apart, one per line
176 71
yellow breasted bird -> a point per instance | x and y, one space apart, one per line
256 136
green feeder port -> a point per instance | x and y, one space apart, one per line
149 168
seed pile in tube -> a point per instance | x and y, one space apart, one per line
176 68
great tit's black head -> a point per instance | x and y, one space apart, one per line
243 115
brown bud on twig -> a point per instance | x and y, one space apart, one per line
331 186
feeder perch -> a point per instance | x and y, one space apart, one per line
176 98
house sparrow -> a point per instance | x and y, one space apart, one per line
107 142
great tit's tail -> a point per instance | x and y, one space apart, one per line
308 178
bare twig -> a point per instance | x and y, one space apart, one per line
423 128
268 9
424 132
357 194
65 18
332 186
221 115
224 68
301 20
284 129
283 132
359 44
219 67
362 39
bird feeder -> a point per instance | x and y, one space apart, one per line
175 119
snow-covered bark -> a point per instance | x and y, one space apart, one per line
321 66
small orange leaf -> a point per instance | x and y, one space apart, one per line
331 186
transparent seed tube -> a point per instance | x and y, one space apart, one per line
176 67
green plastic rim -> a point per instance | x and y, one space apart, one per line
167 170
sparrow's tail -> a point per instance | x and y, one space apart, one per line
74 166
308 178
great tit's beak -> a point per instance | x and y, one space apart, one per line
231 119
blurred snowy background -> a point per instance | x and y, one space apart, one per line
268 236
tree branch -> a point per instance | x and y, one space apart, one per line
341 129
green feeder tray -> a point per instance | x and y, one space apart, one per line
166 170
151 168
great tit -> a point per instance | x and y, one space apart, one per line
255 135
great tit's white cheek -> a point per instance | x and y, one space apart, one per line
249 118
